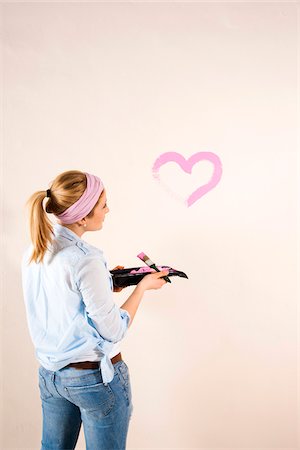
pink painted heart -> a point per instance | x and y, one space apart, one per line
187 166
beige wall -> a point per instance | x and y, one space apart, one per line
107 88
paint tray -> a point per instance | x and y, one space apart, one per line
133 275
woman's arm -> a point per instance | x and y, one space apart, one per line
132 303
92 281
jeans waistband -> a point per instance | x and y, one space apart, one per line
93 364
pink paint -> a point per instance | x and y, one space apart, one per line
187 166
141 256
147 269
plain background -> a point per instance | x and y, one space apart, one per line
108 87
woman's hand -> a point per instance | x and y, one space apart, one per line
153 280
118 289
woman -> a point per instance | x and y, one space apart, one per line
74 324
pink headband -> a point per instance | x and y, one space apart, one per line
85 203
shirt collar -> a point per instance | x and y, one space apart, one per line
66 232
60 230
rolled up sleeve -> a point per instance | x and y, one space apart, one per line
92 279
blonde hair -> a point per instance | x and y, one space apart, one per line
66 189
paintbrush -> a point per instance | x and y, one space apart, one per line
151 264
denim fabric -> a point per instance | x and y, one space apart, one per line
70 396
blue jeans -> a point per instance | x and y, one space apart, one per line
70 396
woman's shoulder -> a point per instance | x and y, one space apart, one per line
83 253
89 249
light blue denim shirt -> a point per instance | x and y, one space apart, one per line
69 303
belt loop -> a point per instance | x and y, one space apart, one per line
100 370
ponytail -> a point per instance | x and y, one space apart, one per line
40 226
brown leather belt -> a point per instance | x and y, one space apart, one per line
93 364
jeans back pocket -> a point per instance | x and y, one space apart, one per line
123 373
44 392
91 396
